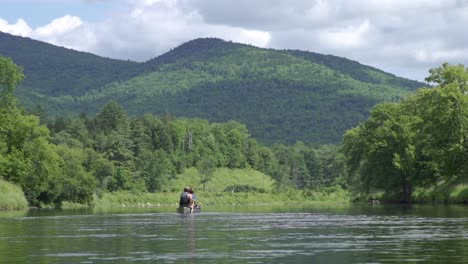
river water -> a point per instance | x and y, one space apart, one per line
312 234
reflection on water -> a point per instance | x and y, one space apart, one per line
325 234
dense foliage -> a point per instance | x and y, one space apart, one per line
419 142
70 159
281 96
144 153
11 196
56 71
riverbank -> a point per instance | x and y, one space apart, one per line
443 194
12 198
451 192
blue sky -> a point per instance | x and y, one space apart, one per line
39 13
403 37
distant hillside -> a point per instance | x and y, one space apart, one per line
281 95
57 71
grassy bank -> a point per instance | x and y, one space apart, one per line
451 192
222 179
446 192
11 197
443 193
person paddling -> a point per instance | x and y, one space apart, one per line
192 202
186 198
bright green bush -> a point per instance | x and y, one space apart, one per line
11 196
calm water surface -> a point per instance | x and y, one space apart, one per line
324 234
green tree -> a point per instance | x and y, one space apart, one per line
26 157
381 152
206 167
251 153
101 168
112 117
156 170
158 133
10 76
331 165
282 173
442 140
299 172
78 185
313 167
77 128
415 143
449 74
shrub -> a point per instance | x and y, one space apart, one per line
11 196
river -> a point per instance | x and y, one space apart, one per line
309 234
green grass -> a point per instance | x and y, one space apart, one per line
164 199
11 197
129 199
453 192
222 178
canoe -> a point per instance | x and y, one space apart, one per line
186 210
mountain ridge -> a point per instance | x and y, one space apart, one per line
38 58
281 95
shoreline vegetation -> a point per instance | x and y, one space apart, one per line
12 198
127 199
445 193
225 188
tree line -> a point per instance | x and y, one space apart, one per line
70 159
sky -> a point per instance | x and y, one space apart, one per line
403 37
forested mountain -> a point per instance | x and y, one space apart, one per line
57 71
281 95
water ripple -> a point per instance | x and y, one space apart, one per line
300 237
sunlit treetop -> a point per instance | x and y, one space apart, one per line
10 75
449 74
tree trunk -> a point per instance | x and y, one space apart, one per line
407 192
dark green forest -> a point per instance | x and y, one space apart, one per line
56 71
69 159
282 96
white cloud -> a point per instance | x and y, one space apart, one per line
155 26
321 10
348 37
57 29
431 56
20 28
59 26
